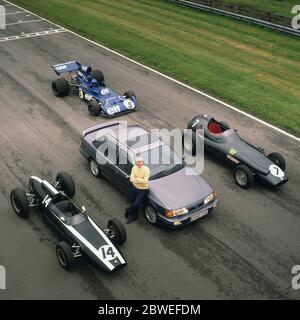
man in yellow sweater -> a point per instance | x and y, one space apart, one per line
139 178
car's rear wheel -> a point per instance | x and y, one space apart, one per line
129 94
278 159
19 202
60 87
66 183
65 255
150 214
116 231
94 108
99 76
243 176
94 168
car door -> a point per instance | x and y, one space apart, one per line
109 158
123 170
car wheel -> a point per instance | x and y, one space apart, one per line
151 214
116 231
94 168
19 202
94 108
189 144
66 183
277 159
99 76
129 94
243 176
65 255
60 87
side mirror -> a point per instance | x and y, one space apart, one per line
83 209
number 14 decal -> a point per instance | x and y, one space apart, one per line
107 252
46 201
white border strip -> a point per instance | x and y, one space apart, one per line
169 78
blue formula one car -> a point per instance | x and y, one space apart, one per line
89 85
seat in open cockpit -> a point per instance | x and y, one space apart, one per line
67 208
215 127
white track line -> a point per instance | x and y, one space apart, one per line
167 77
11 13
32 35
21 22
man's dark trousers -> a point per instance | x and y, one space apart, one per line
138 196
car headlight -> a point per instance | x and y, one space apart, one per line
174 213
209 198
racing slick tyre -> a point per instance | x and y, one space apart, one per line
19 202
98 75
117 232
129 94
189 144
66 183
65 255
277 159
60 87
224 124
94 108
94 168
150 214
243 176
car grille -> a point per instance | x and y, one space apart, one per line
196 207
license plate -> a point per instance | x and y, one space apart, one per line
199 215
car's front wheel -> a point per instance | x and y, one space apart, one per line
60 87
94 168
243 176
116 231
65 255
277 159
65 183
150 214
129 94
19 202
94 108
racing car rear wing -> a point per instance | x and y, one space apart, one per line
66 67
71 66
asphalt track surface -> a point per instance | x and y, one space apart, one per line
245 249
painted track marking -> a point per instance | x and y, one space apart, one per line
32 35
21 22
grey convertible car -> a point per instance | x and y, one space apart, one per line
175 198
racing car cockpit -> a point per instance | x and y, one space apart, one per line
216 127
219 132
68 212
